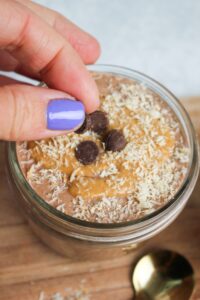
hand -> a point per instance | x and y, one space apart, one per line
42 44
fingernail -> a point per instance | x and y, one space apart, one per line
64 114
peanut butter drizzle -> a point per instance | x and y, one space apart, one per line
88 182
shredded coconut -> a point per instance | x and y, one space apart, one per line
72 295
135 181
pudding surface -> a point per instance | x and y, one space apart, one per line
124 181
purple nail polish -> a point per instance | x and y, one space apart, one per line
64 114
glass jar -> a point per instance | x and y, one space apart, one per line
84 240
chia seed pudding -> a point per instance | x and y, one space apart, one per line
127 160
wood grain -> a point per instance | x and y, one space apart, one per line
27 267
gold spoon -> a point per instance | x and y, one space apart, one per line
163 275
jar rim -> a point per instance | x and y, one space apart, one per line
182 116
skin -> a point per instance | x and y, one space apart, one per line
42 44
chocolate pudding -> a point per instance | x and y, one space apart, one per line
127 160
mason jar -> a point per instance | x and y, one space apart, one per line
80 239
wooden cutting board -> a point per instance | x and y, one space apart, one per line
29 270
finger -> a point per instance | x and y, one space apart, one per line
86 45
9 63
40 49
4 80
29 113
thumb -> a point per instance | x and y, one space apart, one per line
29 113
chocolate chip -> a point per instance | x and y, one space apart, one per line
115 141
86 152
99 121
85 126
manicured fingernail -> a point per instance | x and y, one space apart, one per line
64 114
